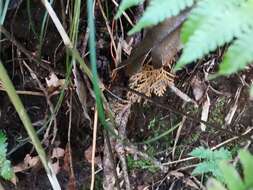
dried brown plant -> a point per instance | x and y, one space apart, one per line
150 81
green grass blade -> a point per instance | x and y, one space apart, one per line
4 11
247 163
231 177
92 47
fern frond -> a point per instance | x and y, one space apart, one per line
6 170
231 177
3 146
213 184
229 20
204 167
5 165
239 54
222 154
202 153
247 163
204 10
125 4
159 10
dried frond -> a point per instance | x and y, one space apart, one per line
150 81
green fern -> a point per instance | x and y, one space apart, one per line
210 161
205 12
5 165
232 178
125 4
156 12
239 54
212 24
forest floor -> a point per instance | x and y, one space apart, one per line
161 130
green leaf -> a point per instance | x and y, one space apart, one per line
210 161
2 138
6 170
222 154
201 153
231 177
223 21
247 163
5 165
125 4
204 10
204 167
239 54
158 11
3 147
213 184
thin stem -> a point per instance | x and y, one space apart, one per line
94 139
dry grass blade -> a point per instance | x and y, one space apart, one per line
81 91
231 113
94 139
205 112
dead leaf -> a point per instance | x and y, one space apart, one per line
205 112
66 160
54 83
71 183
58 153
182 95
127 47
232 110
81 90
88 156
176 174
190 183
198 88
29 162
56 167
142 187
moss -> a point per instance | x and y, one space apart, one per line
217 112
140 164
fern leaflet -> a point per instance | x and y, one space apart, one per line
231 176
5 165
210 34
238 55
247 163
210 161
204 10
159 10
125 4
